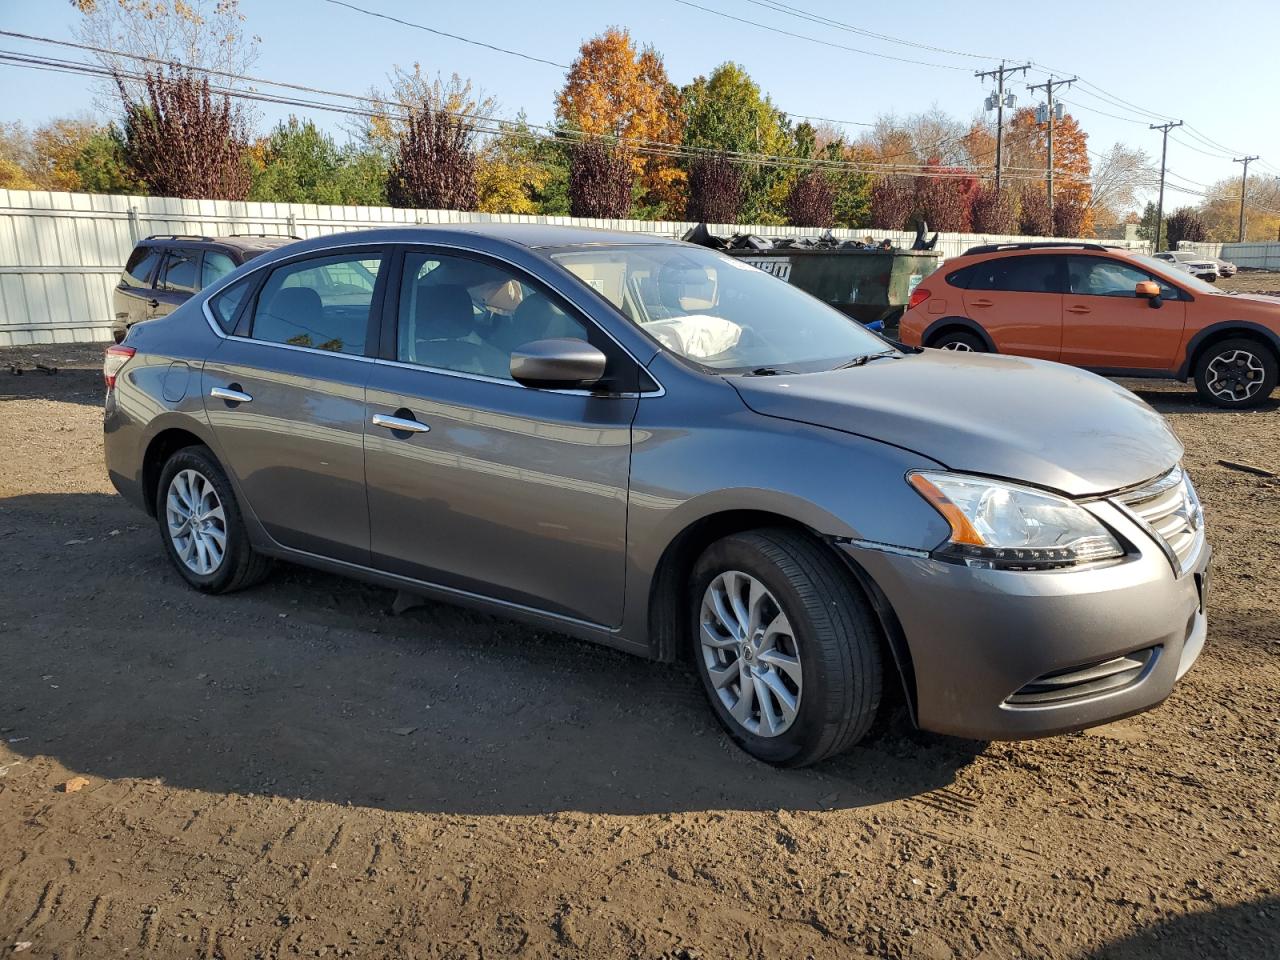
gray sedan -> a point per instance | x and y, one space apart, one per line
657 447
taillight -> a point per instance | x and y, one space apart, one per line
114 361
918 296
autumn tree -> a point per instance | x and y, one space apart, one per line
1184 224
1220 210
434 162
715 189
1034 219
892 203
67 153
512 173
992 212
944 198
1069 217
811 201
601 177
616 90
183 140
1026 152
727 113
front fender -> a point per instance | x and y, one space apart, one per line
688 465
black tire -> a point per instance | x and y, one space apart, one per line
241 566
836 637
1251 373
960 340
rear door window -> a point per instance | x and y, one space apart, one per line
179 272
323 303
216 266
137 272
1026 274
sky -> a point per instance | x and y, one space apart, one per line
1213 67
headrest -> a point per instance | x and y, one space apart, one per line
443 312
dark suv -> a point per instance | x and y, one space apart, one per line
164 270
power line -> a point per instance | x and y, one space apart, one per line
72 66
828 22
801 36
451 36
492 125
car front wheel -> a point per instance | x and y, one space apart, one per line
1236 373
201 526
787 647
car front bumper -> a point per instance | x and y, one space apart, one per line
986 645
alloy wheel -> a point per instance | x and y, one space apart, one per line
958 345
196 522
750 654
1235 375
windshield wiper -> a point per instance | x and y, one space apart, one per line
768 372
865 359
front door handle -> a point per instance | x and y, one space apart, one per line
399 424
230 395
1078 309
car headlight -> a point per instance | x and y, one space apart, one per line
1006 526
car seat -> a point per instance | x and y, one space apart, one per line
444 320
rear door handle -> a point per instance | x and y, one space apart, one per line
1078 309
153 303
229 395
399 424
981 303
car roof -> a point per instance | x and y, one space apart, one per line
530 235
243 242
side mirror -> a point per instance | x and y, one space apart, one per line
1150 290
557 363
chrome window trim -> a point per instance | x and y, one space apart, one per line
220 333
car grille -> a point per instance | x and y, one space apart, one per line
1170 510
1105 676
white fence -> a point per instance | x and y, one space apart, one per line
61 254
1247 256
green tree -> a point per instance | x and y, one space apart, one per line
726 112
299 163
100 164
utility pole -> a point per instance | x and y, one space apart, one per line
998 103
1051 115
1164 128
1244 186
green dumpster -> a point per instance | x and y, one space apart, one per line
868 283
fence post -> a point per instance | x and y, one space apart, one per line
292 228
134 234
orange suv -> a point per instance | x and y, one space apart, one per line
1105 309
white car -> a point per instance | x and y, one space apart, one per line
1205 268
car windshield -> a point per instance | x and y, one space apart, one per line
720 312
1188 280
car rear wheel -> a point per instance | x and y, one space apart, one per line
787 648
201 526
960 340
1236 373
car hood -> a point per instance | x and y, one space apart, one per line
1029 420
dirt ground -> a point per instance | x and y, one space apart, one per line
295 771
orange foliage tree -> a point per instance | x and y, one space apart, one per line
1026 150
616 90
